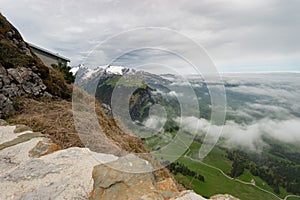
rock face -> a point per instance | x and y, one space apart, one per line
15 82
21 71
32 167
126 182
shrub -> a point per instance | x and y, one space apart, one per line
65 69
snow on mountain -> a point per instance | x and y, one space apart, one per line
119 70
74 70
82 72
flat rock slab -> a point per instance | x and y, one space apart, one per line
64 174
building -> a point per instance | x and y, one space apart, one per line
48 57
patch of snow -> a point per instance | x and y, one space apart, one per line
74 70
115 70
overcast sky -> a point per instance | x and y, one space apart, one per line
252 35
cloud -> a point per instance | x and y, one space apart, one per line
155 122
249 136
175 94
234 33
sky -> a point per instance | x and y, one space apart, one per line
237 35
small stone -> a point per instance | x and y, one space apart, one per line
15 74
6 106
167 187
3 122
43 148
21 128
2 70
9 34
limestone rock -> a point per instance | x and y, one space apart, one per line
223 197
64 174
15 82
167 187
111 183
21 128
32 167
3 122
6 106
43 148
22 72
188 195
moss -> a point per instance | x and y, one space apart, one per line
56 84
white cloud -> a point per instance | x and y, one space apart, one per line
155 122
249 136
175 94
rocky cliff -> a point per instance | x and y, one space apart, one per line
22 73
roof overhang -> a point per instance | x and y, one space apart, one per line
49 52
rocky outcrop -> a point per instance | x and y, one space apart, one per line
32 167
122 179
22 72
35 168
15 82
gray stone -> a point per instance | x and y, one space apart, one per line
15 74
64 174
6 106
188 195
15 41
50 191
21 128
33 169
6 79
9 34
110 183
2 70
43 148
3 122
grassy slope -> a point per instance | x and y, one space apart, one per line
216 183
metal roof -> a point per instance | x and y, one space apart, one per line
48 52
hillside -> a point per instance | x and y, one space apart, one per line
22 73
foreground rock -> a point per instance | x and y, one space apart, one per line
32 167
64 174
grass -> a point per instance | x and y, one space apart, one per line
217 183
247 177
216 158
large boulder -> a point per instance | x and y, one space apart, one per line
32 167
